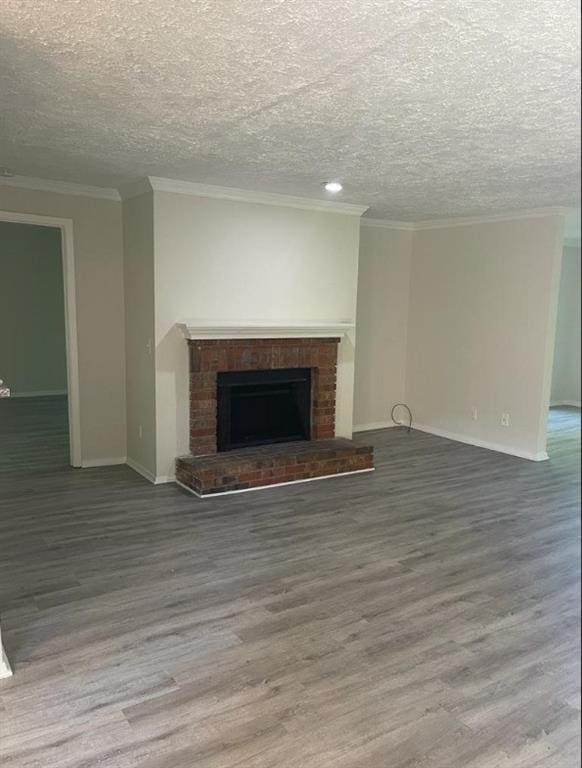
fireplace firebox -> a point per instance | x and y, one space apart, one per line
262 407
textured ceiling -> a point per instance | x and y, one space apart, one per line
423 109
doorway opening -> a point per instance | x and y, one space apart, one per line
39 399
564 412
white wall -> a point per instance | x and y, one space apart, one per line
227 260
566 376
482 314
32 310
382 324
138 245
100 312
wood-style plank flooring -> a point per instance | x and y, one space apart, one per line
424 616
34 432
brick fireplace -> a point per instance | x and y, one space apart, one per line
209 470
209 357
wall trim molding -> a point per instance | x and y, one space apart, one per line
135 189
116 461
407 226
141 470
41 393
469 440
60 187
195 189
464 221
158 183
375 425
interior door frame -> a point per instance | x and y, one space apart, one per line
72 346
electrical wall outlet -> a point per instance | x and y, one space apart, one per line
475 413
505 418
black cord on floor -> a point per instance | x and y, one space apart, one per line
402 405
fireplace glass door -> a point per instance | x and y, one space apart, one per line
262 407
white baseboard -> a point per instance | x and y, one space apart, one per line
374 425
540 456
141 470
41 393
569 403
163 479
88 463
274 485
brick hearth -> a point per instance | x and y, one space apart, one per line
272 464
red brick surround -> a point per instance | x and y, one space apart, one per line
209 357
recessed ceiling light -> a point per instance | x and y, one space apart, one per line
333 186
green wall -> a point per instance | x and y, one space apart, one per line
566 376
32 319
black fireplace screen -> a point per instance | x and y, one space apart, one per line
261 407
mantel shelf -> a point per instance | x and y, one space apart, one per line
199 329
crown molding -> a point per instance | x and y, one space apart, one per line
407 226
59 187
247 196
465 221
147 184
135 188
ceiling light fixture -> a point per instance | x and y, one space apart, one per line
333 186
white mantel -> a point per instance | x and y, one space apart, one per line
202 329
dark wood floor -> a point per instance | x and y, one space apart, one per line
33 431
424 616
